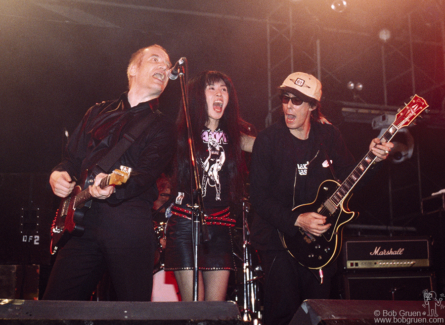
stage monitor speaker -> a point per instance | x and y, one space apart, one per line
312 312
387 285
26 312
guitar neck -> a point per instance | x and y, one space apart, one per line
362 167
85 195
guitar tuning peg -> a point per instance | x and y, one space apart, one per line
426 111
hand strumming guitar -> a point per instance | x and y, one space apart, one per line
61 183
312 223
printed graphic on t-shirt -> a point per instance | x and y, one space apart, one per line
302 169
212 165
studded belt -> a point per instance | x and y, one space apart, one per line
220 218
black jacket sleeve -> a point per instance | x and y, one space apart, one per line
261 187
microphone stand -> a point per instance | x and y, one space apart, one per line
251 312
198 219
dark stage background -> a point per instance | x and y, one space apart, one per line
59 57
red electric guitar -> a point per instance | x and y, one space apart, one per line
67 221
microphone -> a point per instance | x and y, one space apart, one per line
174 72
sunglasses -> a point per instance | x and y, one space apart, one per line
295 100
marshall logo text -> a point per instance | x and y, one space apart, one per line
377 251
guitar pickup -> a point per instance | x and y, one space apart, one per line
330 206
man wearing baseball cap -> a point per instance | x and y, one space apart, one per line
290 160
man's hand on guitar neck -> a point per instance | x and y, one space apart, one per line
380 149
312 223
100 193
61 183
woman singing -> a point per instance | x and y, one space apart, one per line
219 136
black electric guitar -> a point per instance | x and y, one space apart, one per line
331 201
67 221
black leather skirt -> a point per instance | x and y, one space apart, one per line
215 254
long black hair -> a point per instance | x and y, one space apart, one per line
230 123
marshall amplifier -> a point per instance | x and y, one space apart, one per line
386 252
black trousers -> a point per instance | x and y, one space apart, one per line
287 285
119 240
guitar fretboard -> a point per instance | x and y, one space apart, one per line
85 195
348 184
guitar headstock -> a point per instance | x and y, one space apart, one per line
409 113
119 177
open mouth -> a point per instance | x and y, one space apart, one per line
290 118
217 106
159 76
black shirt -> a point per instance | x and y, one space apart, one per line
102 127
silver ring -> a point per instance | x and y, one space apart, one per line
386 151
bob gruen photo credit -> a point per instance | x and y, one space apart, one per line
426 314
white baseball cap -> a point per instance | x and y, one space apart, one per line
299 83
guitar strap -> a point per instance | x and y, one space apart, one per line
127 140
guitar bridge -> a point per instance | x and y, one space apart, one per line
307 237
57 230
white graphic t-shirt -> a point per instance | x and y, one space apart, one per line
214 176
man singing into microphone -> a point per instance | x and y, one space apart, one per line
119 235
